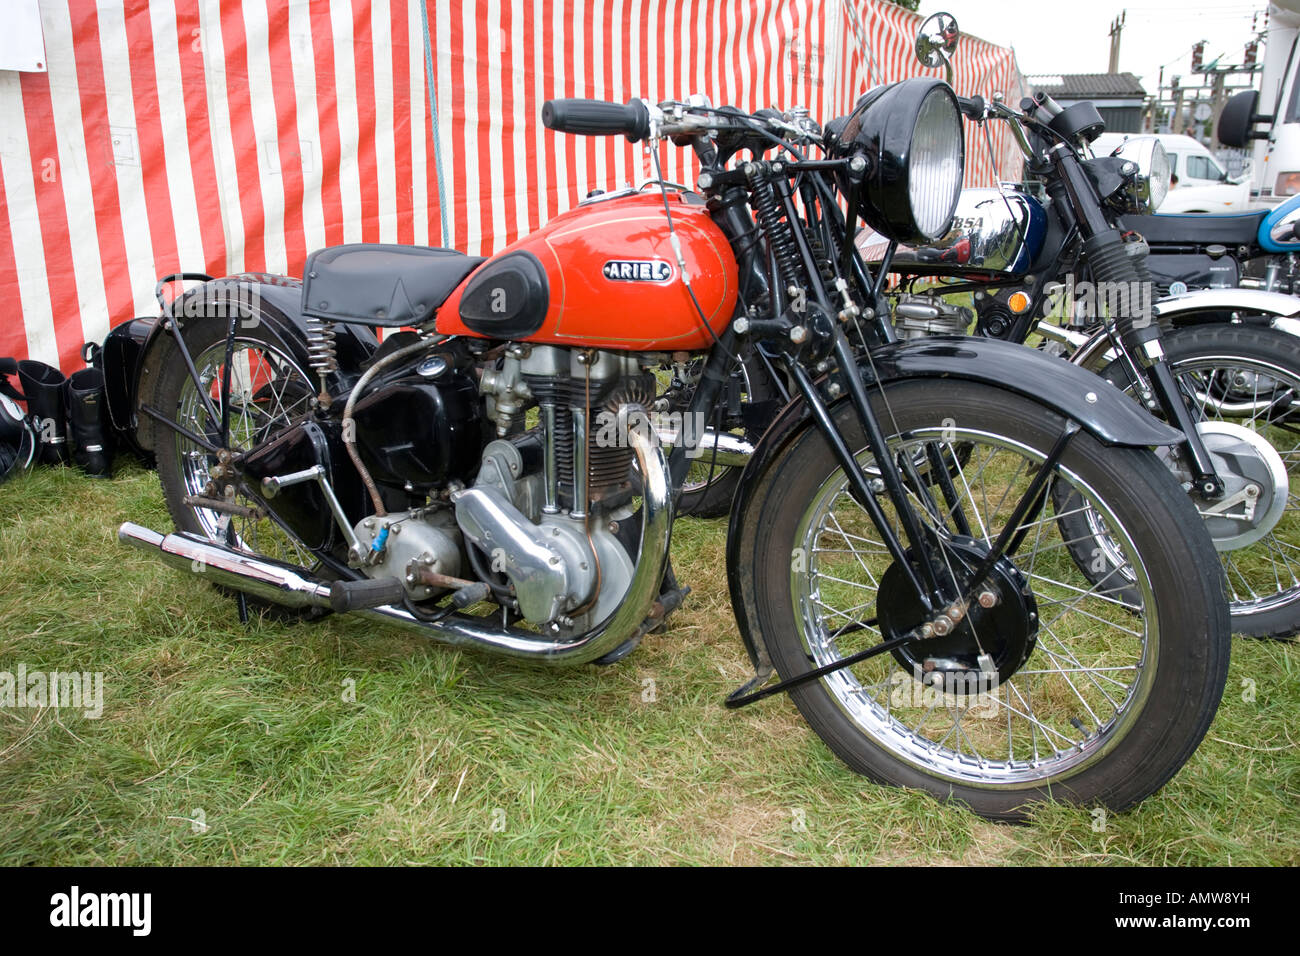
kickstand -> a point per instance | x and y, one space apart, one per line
241 599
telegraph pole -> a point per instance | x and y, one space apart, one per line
1116 28
1210 84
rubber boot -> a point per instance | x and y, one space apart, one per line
88 418
17 439
44 387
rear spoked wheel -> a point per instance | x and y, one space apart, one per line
269 390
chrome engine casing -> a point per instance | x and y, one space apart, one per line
568 571
918 316
420 539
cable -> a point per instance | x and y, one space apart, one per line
349 432
681 259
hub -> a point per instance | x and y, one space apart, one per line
989 639
1255 480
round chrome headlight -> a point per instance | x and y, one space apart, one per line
1151 186
911 135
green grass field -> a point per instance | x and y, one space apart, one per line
221 744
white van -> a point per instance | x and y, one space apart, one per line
1201 184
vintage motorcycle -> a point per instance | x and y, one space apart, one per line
1251 250
1255 250
898 548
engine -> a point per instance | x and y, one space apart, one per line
539 513
918 316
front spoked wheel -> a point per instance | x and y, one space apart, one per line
1058 689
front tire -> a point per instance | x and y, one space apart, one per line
1112 699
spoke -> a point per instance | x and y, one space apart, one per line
1041 726
979 519
1078 590
862 563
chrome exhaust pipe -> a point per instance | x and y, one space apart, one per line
720 447
258 577
288 586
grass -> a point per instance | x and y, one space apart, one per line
453 757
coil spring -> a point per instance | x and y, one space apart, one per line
779 237
321 351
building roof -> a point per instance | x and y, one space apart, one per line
1086 86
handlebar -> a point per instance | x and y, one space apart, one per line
972 107
597 118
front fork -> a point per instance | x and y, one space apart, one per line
943 597
1151 373
932 581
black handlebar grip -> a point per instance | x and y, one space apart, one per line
597 118
972 107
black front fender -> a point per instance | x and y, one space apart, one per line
1103 411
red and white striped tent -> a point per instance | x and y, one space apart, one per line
223 136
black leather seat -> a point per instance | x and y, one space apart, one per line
380 284
1201 230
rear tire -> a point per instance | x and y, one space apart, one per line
1175 645
270 388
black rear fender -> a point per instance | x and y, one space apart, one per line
254 299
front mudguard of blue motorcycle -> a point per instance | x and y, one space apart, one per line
1224 305
1102 410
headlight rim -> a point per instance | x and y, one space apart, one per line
884 197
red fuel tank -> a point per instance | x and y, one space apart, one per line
604 275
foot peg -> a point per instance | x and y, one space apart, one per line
380 592
373 592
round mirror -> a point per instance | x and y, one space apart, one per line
937 39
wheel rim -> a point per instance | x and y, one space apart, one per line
1256 395
268 390
1074 699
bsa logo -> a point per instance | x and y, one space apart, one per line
637 270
